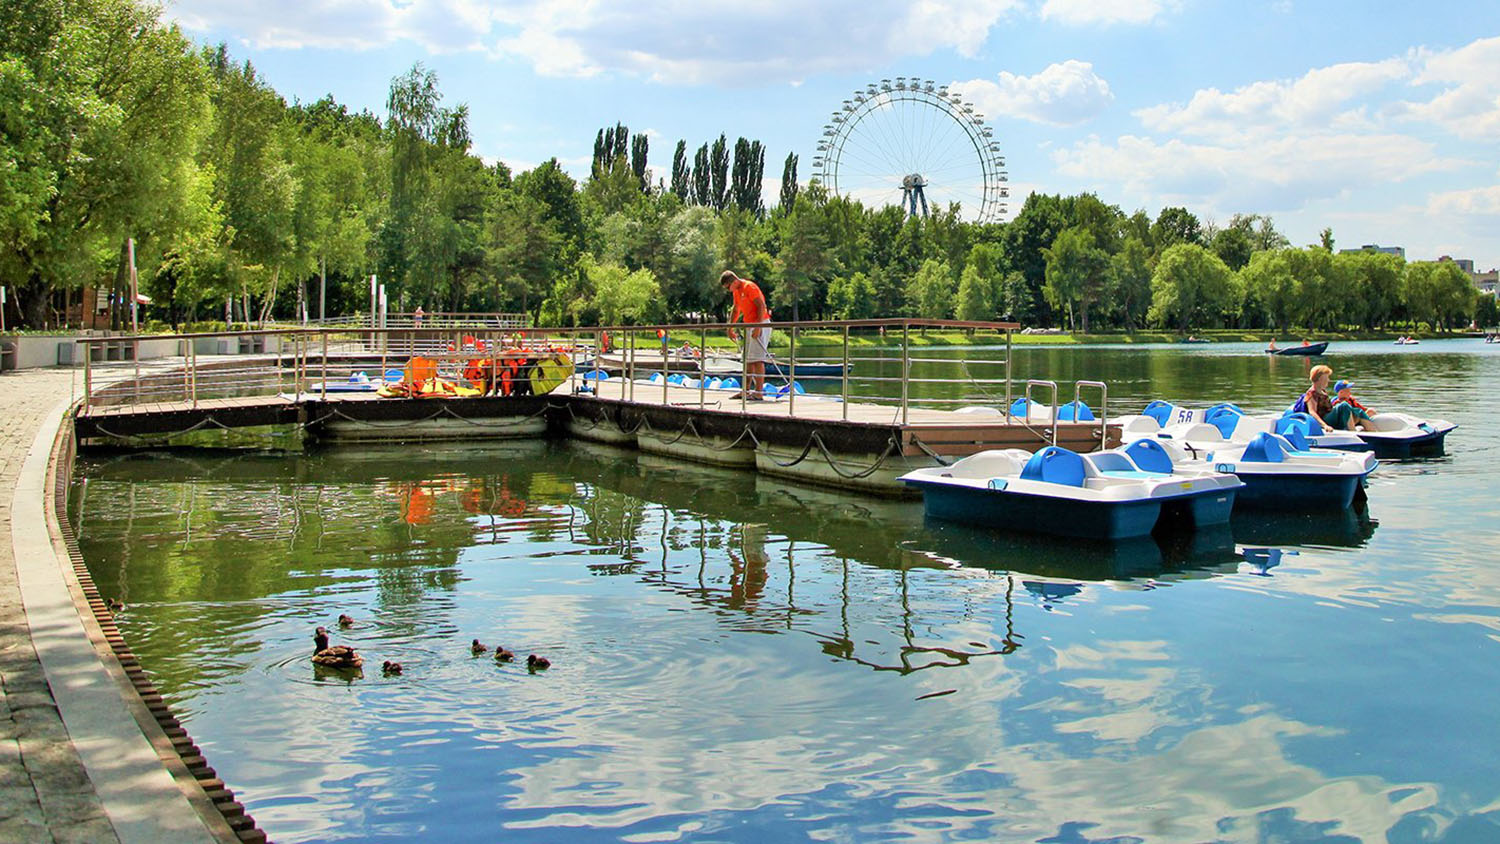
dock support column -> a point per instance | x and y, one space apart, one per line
905 368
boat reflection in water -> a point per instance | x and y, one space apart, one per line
1266 539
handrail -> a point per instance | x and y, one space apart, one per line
1102 415
1036 382
312 361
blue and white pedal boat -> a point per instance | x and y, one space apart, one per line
1104 495
1285 472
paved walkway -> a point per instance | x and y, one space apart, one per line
74 765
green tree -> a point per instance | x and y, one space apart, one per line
931 290
1175 225
101 109
1233 246
1439 293
1270 288
748 176
976 295
681 173
806 261
1189 285
788 182
719 174
702 178
1130 281
1076 273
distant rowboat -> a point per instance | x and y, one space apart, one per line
1310 350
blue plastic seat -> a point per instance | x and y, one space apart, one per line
1265 448
1055 465
1020 407
1295 438
1302 422
1150 455
1159 410
1221 408
1075 411
394 375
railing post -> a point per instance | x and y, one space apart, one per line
745 367
702 367
324 396
135 357
905 369
844 377
186 371
88 375
791 376
1008 398
193 367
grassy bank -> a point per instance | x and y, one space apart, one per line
818 340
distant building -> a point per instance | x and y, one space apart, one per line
1486 282
1464 264
1387 250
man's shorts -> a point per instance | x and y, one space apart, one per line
756 341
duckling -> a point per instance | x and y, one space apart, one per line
477 648
345 621
114 604
536 663
389 668
504 655
336 656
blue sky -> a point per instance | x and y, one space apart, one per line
1379 119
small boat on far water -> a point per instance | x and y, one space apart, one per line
1309 350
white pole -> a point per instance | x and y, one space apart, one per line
2 307
322 291
135 326
374 306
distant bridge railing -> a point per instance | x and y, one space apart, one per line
436 320
679 364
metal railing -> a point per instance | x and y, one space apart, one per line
851 370
436 320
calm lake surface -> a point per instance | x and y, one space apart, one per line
742 659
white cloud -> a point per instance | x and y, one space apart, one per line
663 40
1469 104
1105 12
1463 202
1269 174
1063 94
1320 97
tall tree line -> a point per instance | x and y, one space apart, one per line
114 125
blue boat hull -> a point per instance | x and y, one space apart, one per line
1431 445
1311 350
1066 517
1298 492
806 370
1041 514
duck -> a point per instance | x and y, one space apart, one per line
537 663
389 667
335 656
476 647
114 604
504 655
345 621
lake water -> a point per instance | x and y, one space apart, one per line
742 659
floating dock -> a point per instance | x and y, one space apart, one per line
847 443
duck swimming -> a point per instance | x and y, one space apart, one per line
345 621
503 655
476 647
537 663
114 604
389 667
335 656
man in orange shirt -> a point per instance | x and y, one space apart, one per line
749 308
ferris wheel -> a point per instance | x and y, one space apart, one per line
909 142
